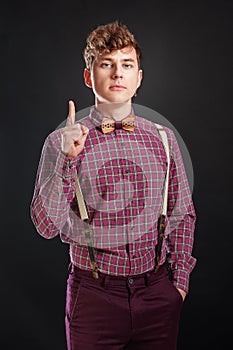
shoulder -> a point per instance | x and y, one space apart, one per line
153 127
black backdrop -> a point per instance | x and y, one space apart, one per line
187 62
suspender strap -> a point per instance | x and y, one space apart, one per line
87 230
162 218
80 199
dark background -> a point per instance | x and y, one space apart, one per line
187 62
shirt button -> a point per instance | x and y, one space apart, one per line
131 281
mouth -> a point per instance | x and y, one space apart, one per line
117 87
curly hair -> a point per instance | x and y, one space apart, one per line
109 37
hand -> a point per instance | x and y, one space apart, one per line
182 292
73 135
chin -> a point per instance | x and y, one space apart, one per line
118 99
115 97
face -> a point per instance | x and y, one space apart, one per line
114 77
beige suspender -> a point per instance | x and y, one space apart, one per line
161 221
166 147
80 199
162 218
87 229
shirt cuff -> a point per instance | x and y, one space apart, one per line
66 166
181 274
181 279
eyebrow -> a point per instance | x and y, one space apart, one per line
111 59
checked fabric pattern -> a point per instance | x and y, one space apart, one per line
121 174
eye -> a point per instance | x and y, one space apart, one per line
128 65
106 65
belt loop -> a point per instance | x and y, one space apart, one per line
147 279
105 281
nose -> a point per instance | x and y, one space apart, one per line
117 72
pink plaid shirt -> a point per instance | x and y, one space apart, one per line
121 175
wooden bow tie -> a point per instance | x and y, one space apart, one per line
109 125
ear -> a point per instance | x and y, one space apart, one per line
139 77
87 78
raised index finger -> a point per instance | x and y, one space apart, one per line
71 116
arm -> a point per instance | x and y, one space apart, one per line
181 220
55 187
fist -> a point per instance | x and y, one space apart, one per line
73 134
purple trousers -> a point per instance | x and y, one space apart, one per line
118 313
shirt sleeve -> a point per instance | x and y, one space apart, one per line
181 219
54 188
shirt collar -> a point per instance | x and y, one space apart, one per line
96 117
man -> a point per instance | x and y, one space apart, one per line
119 293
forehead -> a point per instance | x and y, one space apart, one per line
127 52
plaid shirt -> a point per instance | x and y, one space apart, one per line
122 175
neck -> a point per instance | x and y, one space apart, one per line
117 111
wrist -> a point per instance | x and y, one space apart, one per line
182 292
